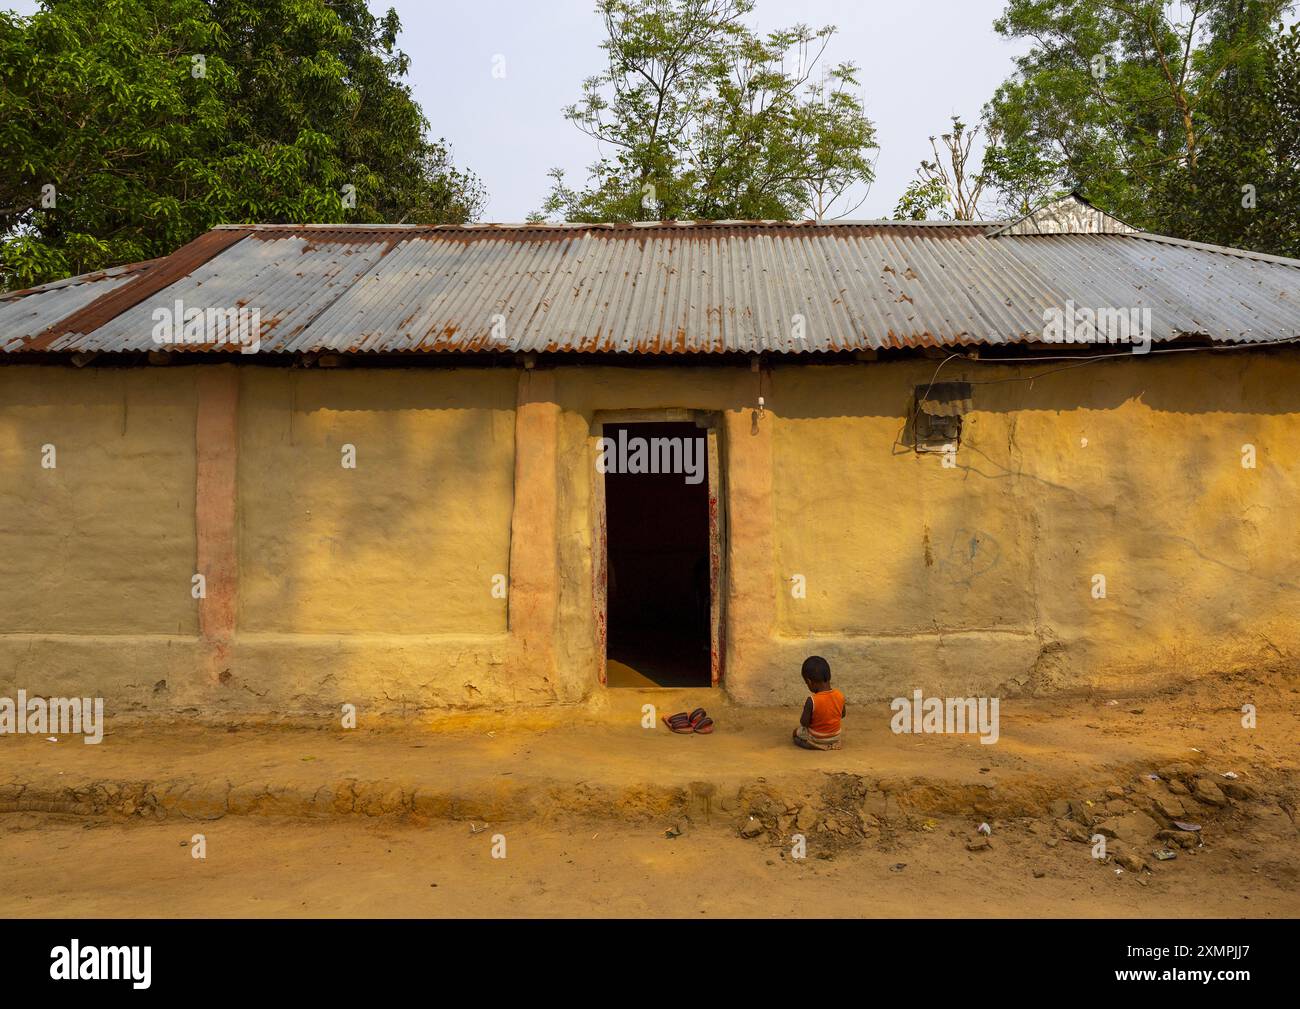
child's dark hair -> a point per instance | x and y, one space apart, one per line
816 668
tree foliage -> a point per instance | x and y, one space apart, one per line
1246 188
1167 114
951 185
153 120
699 117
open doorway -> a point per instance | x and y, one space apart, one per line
659 587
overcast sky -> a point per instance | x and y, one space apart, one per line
920 62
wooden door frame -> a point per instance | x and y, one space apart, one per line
711 423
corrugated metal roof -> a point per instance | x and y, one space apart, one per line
24 314
705 287
1070 215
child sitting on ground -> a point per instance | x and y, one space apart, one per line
819 725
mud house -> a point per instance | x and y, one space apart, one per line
288 467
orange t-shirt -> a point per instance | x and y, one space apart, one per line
828 709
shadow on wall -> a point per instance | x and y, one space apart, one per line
1248 381
411 537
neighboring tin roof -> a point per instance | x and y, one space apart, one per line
1070 215
656 288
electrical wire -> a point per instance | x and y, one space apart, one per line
1079 363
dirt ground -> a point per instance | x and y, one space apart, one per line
258 867
599 816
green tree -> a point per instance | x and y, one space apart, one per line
1144 106
128 127
1246 188
950 185
701 118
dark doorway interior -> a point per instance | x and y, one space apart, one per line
657 529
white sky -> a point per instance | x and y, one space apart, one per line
920 61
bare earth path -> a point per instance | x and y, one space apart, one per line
316 821
257 867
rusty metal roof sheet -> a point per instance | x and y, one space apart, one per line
24 314
657 288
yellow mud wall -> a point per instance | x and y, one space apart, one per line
375 582
409 540
373 585
981 577
96 553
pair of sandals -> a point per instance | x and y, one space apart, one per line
697 721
